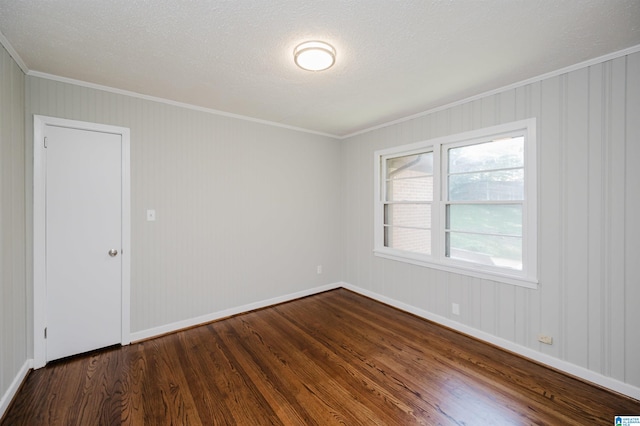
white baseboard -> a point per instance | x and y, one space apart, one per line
169 328
574 370
567 367
15 385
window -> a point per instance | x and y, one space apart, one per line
407 205
464 203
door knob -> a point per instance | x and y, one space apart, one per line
113 252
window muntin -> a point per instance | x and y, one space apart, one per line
483 209
488 185
496 219
408 215
408 194
493 154
463 203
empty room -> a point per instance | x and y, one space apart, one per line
320 212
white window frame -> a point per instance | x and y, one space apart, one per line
528 276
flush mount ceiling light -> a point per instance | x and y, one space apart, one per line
314 55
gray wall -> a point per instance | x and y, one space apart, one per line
13 317
245 211
589 233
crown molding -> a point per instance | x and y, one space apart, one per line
610 56
16 57
570 68
12 52
173 103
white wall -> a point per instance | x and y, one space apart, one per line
13 322
245 211
589 232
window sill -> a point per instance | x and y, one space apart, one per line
457 269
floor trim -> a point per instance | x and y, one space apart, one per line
191 322
558 364
6 399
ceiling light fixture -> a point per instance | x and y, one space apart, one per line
314 55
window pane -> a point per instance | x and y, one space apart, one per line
416 215
410 166
499 154
415 240
419 189
504 252
505 219
487 186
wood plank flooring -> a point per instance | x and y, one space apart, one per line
332 358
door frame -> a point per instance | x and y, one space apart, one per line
39 228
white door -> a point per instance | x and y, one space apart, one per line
83 240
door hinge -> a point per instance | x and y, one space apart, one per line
45 332
45 141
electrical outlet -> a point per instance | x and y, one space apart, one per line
547 340
455 309
319 269
151 215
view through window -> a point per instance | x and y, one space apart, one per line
464 202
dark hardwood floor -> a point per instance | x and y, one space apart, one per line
332 358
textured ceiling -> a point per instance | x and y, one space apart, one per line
395 58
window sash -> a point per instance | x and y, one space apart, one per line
521 235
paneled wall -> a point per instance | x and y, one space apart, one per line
13 318
589 233
245 211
